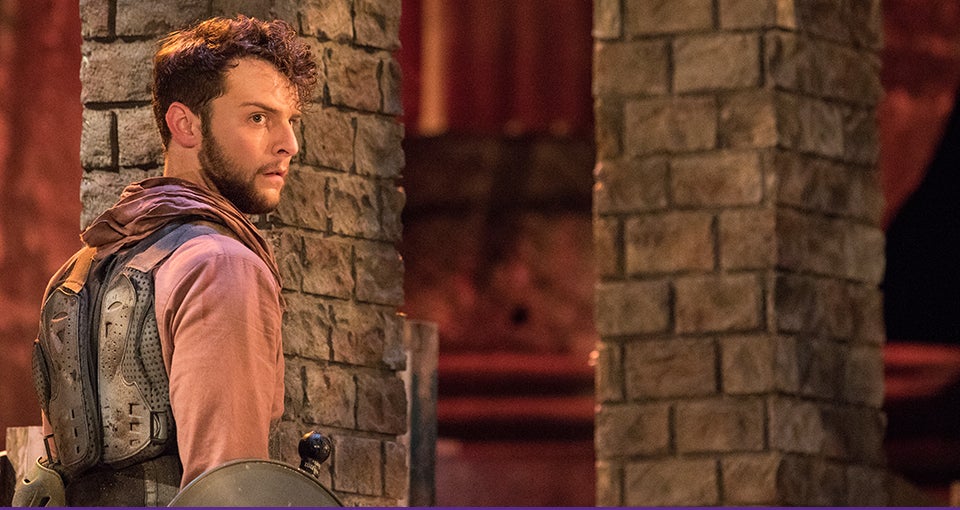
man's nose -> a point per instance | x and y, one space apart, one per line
286 142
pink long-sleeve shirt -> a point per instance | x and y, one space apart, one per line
219 316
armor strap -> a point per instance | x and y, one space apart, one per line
81 268
171 240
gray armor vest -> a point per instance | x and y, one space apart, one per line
97 363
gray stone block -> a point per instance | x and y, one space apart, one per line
327 19
609 374
353 206
116 72
646 17
377 23
607 19
138 138
607 246
328 136
379 270
720 425
747 238
96 139
630 185
632 429
331 395
729 302
671 482
307 327
395 480
352 76
796 426
718 61
378 148
94 18
632 308
303 202
381 403
747 120
669 242
717 179
670 368
674 124
393 199
751 479
863 368
138 18
358 334
358 465
390 88
649 59
748 364
327 267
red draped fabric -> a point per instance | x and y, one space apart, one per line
492 67
40 122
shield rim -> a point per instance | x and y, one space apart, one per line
197 483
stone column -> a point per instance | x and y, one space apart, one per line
334 233
736 230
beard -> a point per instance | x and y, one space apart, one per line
225 174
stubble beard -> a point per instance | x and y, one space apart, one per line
223 173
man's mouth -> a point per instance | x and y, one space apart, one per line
278 171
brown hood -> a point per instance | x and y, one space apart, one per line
148 205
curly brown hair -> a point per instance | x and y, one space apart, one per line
191 64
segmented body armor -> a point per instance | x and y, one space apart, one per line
98 365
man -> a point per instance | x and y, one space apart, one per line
227 99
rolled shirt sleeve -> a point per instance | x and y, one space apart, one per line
219 318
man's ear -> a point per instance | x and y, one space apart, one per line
185 126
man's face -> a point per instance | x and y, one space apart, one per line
249 136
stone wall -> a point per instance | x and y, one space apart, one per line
334 233
737 238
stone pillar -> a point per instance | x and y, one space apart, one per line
736 230
334 233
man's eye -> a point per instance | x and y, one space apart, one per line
258 118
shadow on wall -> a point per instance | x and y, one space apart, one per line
922 282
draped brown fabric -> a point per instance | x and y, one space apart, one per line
148 205
512 67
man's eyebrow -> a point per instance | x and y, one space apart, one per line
268 109
260 106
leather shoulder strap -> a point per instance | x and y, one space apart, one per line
163 247
81 268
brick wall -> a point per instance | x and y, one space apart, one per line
334 232
737 212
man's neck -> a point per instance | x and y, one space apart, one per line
183 164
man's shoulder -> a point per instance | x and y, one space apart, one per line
213 248
214 244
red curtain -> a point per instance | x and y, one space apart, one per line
40 121
487 67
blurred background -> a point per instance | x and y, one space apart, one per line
497 229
